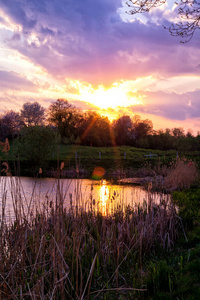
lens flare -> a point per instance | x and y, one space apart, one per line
98 173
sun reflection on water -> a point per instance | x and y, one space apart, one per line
103 198
108 198
89 195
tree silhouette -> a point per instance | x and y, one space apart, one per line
123 128
10 124
32 114
64 116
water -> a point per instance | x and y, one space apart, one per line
24 196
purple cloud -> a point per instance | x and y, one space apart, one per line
87 40
14 81
170 105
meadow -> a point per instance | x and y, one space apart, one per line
123 158
149 251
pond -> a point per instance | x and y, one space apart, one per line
24 196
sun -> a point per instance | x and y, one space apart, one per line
108 98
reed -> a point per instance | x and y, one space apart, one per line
50 252
179 174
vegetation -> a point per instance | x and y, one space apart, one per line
89 139
150 251
37 145
32 114
143 252
91 129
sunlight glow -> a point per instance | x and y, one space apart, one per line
105 98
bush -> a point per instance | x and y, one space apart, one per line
36 144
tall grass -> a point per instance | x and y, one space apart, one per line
179 174
54 253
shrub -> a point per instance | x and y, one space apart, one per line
36 144
181 175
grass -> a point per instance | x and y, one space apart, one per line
110 158
176 275
179 174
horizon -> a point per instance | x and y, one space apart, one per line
99 58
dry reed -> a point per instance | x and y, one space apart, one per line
56 253
181 174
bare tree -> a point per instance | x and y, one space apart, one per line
32 114
10 124
188 11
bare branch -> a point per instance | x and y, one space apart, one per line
187 10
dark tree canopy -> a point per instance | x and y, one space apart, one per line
32 114
37 144
123 128
95 130
187 10
10 124
65 117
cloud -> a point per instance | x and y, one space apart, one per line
54 43
88 40
14 81
169 105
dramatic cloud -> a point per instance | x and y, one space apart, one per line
54 48
88 40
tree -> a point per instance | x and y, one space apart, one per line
162 139
123 128
32 114
65 117
188 11
178 132
36 144
95 130
141 127
10 124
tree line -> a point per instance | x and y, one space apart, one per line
65 123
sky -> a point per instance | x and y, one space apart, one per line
99 57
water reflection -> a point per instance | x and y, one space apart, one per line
103 198
26 195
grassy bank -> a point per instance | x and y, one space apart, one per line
111 159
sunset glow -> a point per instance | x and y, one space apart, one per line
113 97
99 58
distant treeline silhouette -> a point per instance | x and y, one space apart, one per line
92 129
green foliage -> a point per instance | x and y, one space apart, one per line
189 205
95 130
36 144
